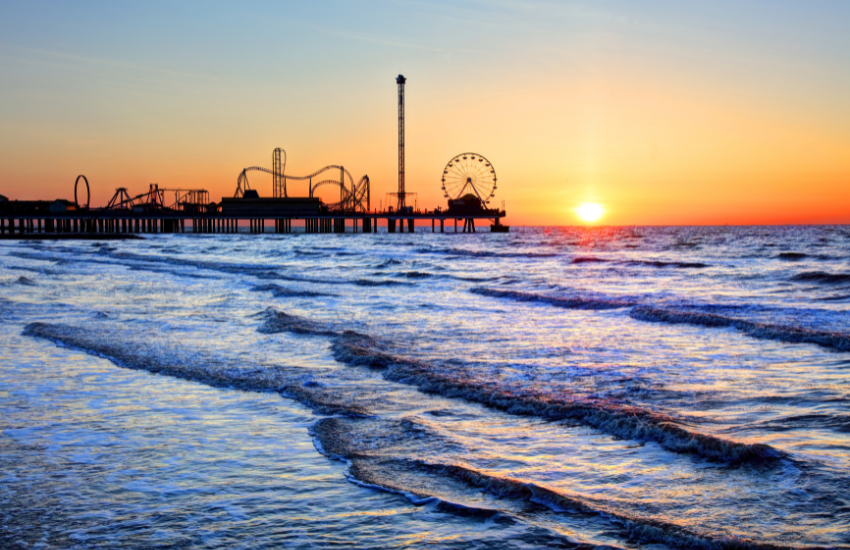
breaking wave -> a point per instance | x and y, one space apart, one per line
613 418
834 340
278 321
617 419
110 345
642 528
385 454
122 348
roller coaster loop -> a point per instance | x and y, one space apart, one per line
88 191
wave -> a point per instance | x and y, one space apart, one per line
278 321
374 450
110 345
642 528
415 275
379 282
125 350
616 419
839 341
836 422
175 272
659 263
587 260
386 454
282 292
650 263
791 256
388 263
620 420
471 279
356 349
821 277
834 340
484 253
323 401
25 281
146 262
797 256
568 303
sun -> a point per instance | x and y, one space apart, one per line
590 211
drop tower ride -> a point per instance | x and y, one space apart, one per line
401 193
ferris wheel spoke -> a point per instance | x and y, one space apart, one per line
478 172
478 182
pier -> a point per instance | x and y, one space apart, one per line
260 216
468 182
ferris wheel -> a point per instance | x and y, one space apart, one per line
469 173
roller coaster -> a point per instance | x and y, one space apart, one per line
154 199
352 197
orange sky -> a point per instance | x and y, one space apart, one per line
666 116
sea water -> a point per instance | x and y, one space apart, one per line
551 387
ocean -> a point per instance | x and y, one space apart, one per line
629 387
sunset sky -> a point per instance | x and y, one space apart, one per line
662 112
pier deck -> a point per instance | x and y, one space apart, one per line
30 221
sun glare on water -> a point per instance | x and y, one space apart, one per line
590 211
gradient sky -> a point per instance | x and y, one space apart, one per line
664 112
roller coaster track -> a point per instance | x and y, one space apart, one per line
351 197
155 198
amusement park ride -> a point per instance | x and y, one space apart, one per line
468 182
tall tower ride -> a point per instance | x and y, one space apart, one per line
401 194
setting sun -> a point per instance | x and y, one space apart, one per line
590 211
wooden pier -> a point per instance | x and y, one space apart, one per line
36 221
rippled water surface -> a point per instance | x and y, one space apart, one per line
632 387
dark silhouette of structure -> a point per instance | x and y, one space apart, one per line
88 190
469 182
352 197
278 169
402 196
469 173
150 212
